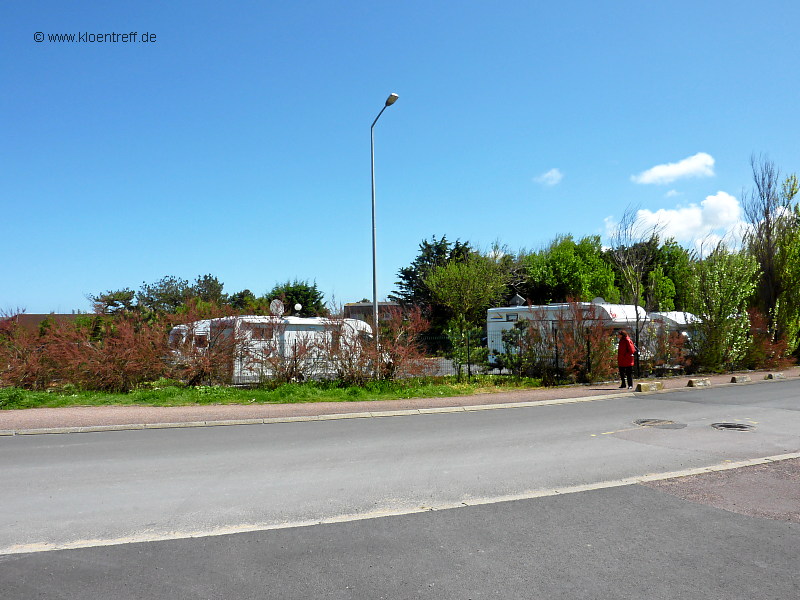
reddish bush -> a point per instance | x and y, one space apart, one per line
669 348
204 357
24 359
401 344
98 353
348 357
763 351
127 352
586 350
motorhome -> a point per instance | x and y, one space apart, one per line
258 345
552 316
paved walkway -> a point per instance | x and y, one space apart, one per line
94 418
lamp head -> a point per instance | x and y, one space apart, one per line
391 99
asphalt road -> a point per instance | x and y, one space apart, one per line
627 542
623 541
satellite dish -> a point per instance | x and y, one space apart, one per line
276 307
598 300
517 300
298 307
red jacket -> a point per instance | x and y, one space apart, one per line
625 352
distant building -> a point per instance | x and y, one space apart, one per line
366 310
33 322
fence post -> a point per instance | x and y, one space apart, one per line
555 341
469 361
588 352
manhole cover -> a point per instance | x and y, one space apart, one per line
659 423
733 426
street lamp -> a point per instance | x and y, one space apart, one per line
389 101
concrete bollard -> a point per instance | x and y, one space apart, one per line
652 386
699 382
774 376
740 378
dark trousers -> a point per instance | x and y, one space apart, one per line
626 372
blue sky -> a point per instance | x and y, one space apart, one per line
237 142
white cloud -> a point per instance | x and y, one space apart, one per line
552 177
707 245
672 194
718 216
688 223
699 165
721 211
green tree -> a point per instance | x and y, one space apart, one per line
599 279
114 302
467 287
412 290
773 227
299 292
567 270
164 296
660 290
675 262
411 287
242 300
787 310
721 286
208 289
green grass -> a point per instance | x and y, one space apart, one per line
167 393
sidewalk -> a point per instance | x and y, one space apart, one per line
98 418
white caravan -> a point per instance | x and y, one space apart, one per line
675 320
611 316
259 343
681 322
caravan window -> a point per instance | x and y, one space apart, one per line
176 338
512 317
263 332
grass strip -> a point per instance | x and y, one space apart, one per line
166 393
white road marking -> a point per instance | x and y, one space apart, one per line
254 527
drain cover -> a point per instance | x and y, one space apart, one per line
659 423
733 426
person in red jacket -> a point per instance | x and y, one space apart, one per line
625 358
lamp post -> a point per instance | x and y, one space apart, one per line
389 101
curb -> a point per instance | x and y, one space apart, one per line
648 388
303 419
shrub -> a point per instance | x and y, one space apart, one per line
586 348
24 360
101 353
528 351
204 358
465 347
763 352
126 351
401 342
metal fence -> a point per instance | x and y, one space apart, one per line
585 356
478 354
